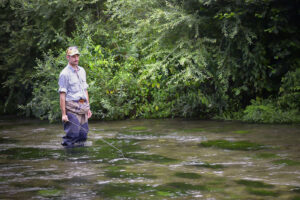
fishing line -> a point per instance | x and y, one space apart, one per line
100 139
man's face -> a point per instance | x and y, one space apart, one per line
73 60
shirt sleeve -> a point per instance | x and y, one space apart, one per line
63 83
85 86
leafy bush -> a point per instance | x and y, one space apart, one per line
290 90
284 109
266 111
45 101
157 59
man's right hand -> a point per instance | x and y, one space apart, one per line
65 118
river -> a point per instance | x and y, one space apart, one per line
163 159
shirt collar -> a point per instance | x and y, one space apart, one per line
73 70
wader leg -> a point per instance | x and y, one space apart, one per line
71 130
76 132
83 132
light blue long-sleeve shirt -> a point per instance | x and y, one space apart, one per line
73 83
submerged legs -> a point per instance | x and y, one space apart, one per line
76 130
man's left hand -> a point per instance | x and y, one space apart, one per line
89 114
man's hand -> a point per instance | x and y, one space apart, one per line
89 114
62 101
65 118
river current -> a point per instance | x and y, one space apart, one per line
152 159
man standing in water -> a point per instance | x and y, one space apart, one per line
74 100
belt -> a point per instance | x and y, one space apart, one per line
80 101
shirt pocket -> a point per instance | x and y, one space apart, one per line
74 85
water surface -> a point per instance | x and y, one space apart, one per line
164 159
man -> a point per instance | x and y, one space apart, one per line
74 100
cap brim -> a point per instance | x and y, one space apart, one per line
74 54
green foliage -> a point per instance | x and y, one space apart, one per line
223 54
155 59
177 60
29 28
290 90
45 101
266 111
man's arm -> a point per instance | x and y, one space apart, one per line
62 100
88 101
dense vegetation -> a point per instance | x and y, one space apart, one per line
154 59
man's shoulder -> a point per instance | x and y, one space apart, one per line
81 68
65 71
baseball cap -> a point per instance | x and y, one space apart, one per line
71 51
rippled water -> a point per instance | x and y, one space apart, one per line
164 159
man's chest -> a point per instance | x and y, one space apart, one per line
76 78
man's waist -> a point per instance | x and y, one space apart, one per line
80 101
70 96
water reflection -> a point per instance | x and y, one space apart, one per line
164 159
